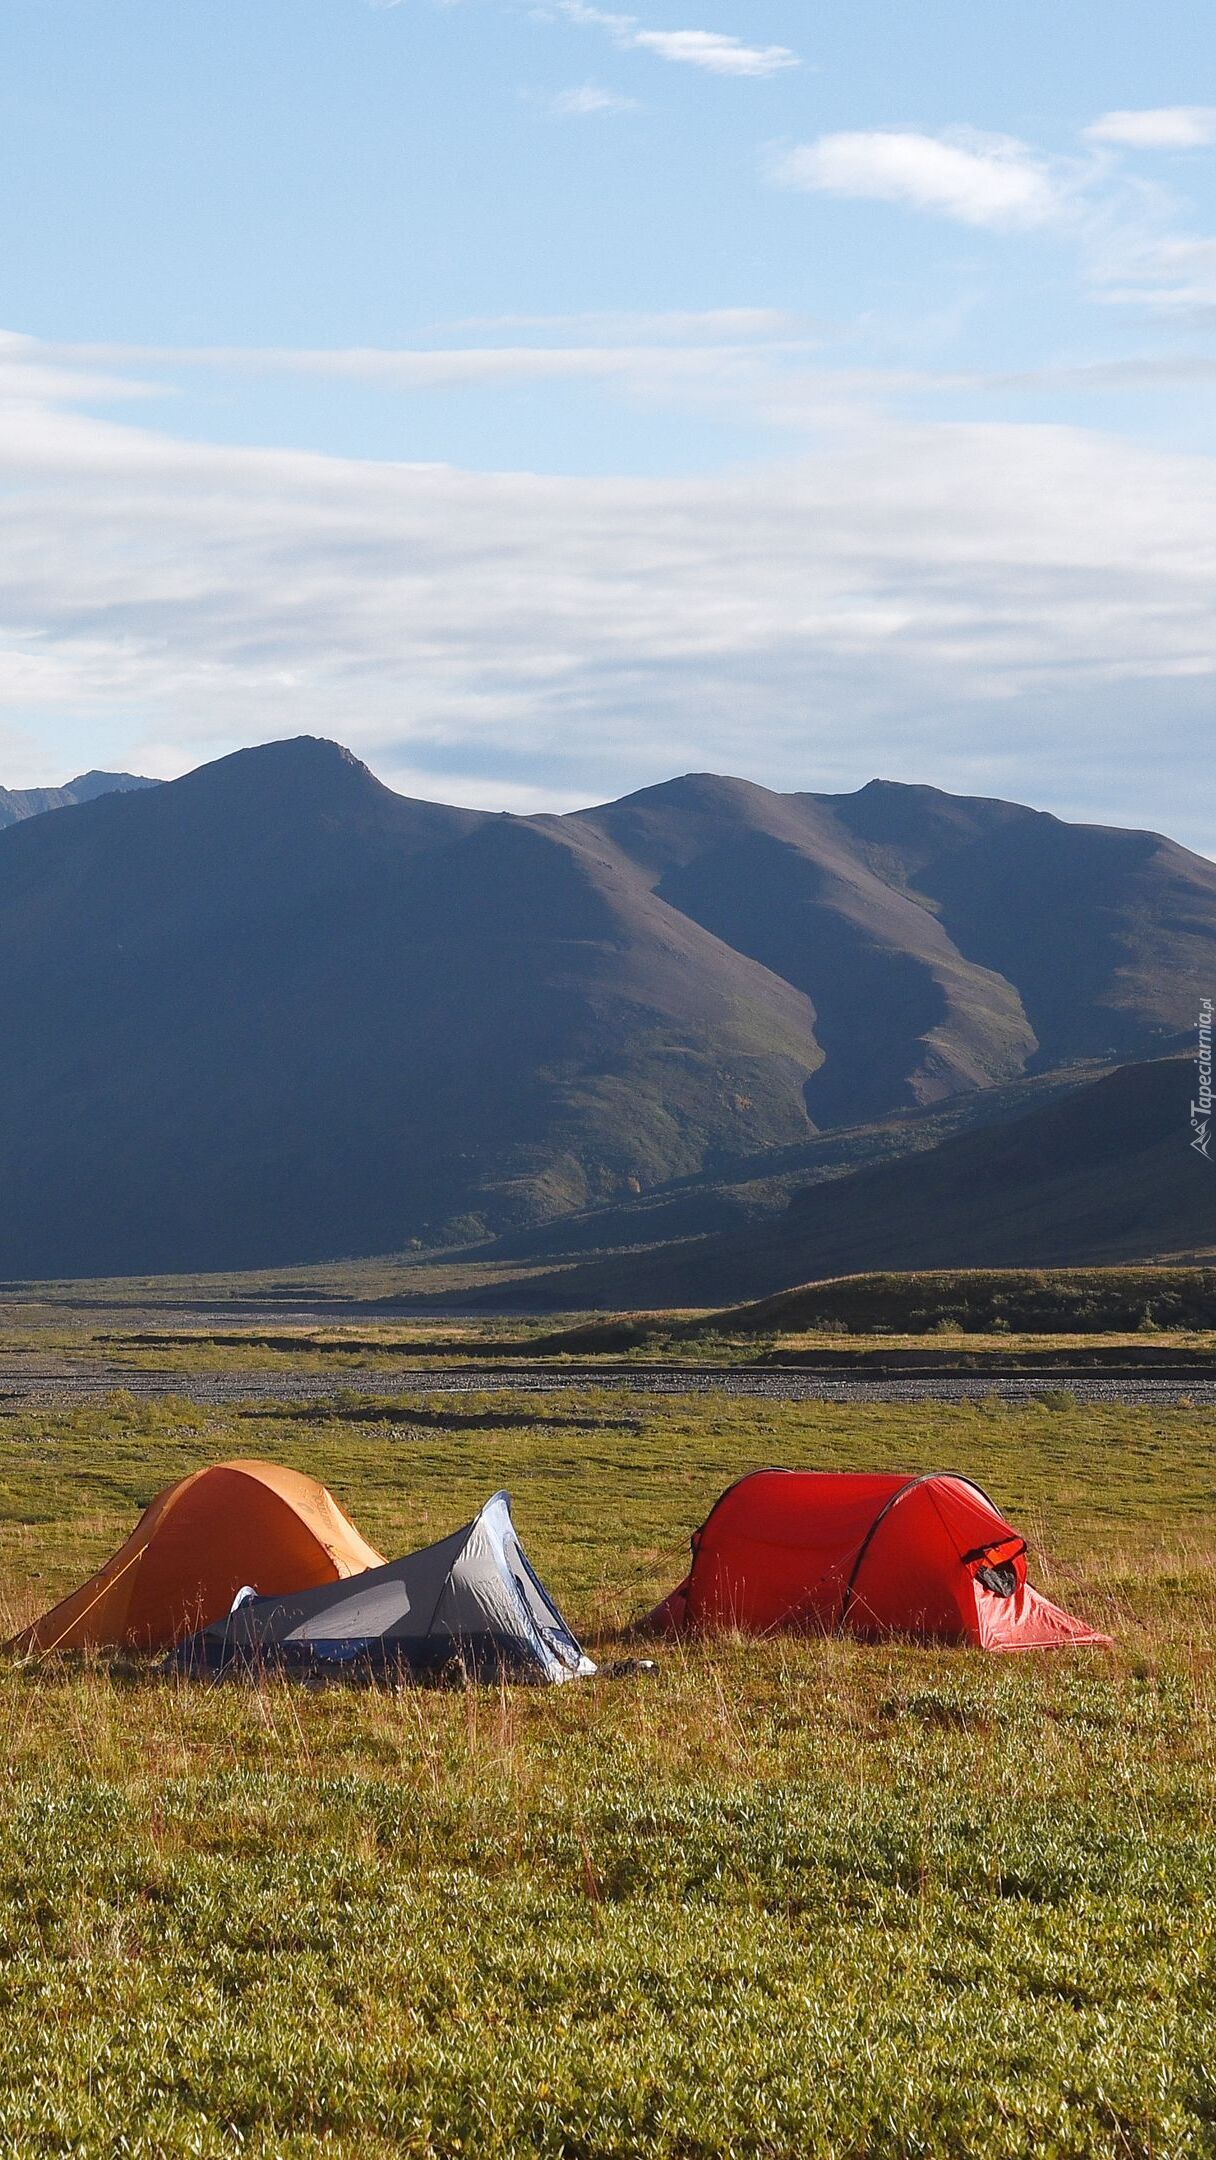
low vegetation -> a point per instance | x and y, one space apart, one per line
1070 1306
1028 1301
786 1900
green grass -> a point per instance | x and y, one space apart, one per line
786 1900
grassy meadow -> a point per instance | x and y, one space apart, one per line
790 1900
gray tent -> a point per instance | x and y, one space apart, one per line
470 1606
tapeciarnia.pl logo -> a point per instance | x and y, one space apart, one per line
1201 1110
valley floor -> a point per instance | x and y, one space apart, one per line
785 1901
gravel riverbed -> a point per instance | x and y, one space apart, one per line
58 1383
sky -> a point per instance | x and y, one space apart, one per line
545 399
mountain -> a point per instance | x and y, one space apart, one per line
945 942
19 803
275 1012
1101 1175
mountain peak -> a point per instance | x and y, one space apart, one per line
298 753
321 749
684 790
297 773
889 812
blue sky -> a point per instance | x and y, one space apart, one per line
546 398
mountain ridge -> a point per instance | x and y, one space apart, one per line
276 1011
17 804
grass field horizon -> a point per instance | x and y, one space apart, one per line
784 1900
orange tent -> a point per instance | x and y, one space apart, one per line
199 1542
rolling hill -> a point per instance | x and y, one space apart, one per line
275 1012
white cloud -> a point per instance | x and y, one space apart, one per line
681 356
712 50
1158 127
589 98
755 364
664 326
989 180
996 607
1163 272
719 55
47 374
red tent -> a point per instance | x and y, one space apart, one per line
866 1554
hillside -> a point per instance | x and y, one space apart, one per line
17 804
1105 1174
746 1188
275 1012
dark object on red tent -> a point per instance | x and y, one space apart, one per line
871 1555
